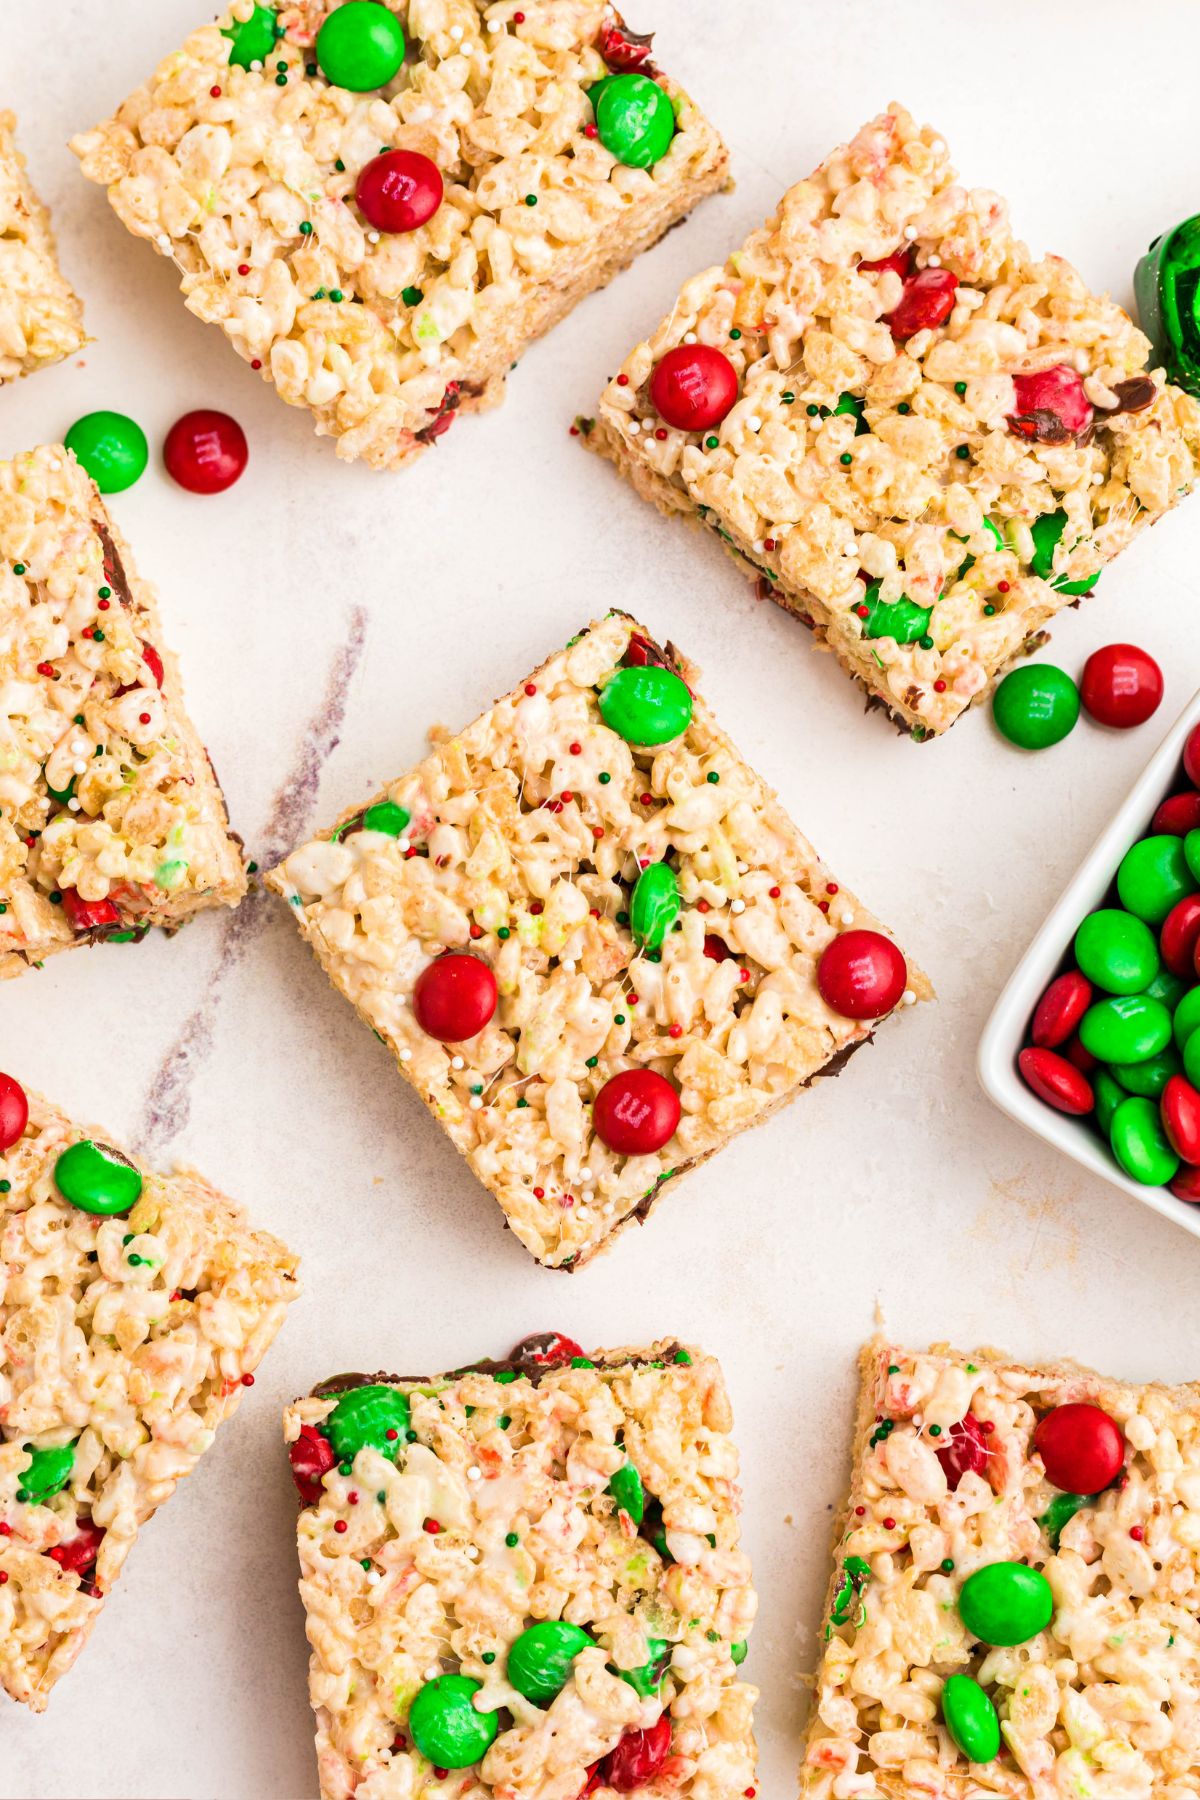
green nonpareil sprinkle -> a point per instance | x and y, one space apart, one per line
306 229
787 398
960 387
618 1018
947 1564
336 295
504 932
605 778
531 199
963 451
489 1657
105 593
735 333
712 443
904 407
522 1101
340 166
512 1540
412 296
713 777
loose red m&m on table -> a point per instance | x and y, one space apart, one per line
1121 686
1056 1081
399 190
205 451
862 975
1081 1447
14 1112
636 1112
454 997
693 387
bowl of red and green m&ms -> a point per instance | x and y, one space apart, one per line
1094 1043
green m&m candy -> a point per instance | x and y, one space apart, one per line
1006 1603
111 447
539 1661
1140 1144
627 1490
1117 951
1060 1511
1153 875
386 817
739 1652
1167 987
48 1473
1129 1028
1187 1017
360 46
647 1679
251 40
1046 533
1167 285
373 1415
97 1178
646 704
850 403
1036 706
445 1725
1149 1077
971 1719
1109 1095
634 119
655 905
901 619
1191 852
1191 1051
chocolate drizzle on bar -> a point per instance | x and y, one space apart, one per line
532 1359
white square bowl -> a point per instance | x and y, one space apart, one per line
1007 1031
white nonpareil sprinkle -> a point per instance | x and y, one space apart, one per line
758 546
689 337
908 998
737 906
372 237
433 1673
846 916
402 844
77 746
910 232
457 1062
79 768
754 423
73 804
456 32
474 1474
635 425
475 1103
585 1174
406 1056
934 262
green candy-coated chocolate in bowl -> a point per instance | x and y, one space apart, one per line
1187 1017
1153 876
1191 1056
1167 285
634 119
1128 1028
1006 1603
96 1178
1036 706
1149 1077
48 1473
655 905
1140 1144
901 619
1046 533
1109 1095
971 1719
646 704
539 1661
1167 987
445 1725
364 1416
1117 951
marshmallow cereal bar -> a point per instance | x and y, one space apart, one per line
41 318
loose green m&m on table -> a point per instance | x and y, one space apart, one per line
1140 1144
627 1490
1005 1603
539 1661
1046 533
1167 285
96 1178
646 705
655 905
1153 875
1129 1028
445 1725
1036 706
901 619
635 120
971 1718
373 1415
48 1473
111 447
1117 951
360 46
251 40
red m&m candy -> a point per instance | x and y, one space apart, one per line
80 1552
861 974
311 1457
693 387
454 997
1180 934
927 301
1121 685
1060 1009
636 1113
638 1757
965 1451
1177 815
399 190
1180 1107
205 451
1191 756
1186 1185
1056 1081
14 1112
88 915
1081 1447
1052 406
899 262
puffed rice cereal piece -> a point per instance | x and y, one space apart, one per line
882 481
593 1497
41 316
520 841
126 1338
1101 1704
111 817
246 177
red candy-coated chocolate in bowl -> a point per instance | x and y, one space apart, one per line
927 301
693 387
399 190
205 452
1081 1447
1179 935
1122 685
454 997
1177 815
965 1451
88 915
1186 1185
1052 406
1060 1009
14 1112
638 1757
1191 756
1076 1052
1180 1107
861 975
636 1112
1056 1081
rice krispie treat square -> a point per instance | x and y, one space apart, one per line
593 939
1013 1609
111 818
381 206
921 441
134 1308
523 1580
41 317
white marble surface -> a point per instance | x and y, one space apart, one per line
398 601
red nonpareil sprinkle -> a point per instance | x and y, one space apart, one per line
986 1426
575 749
775 892
674 1030
247 1381
5 1530
622 381
391 1434
215 92
103 605
743 974
573 430
939 687
864 612
45 668
597 831
518 18
1136 1533
768 543
441 1774
143 718
1002 587
660 433
702 906
539 1193
567 795
476 932
243 268
256 363
399 1742
3 1576
647 800
822 906
339 1525
530 687
535 907
860 1511
410 853
432 1527
352 1497
889 1524
593 912
632 999
590 131
831 887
